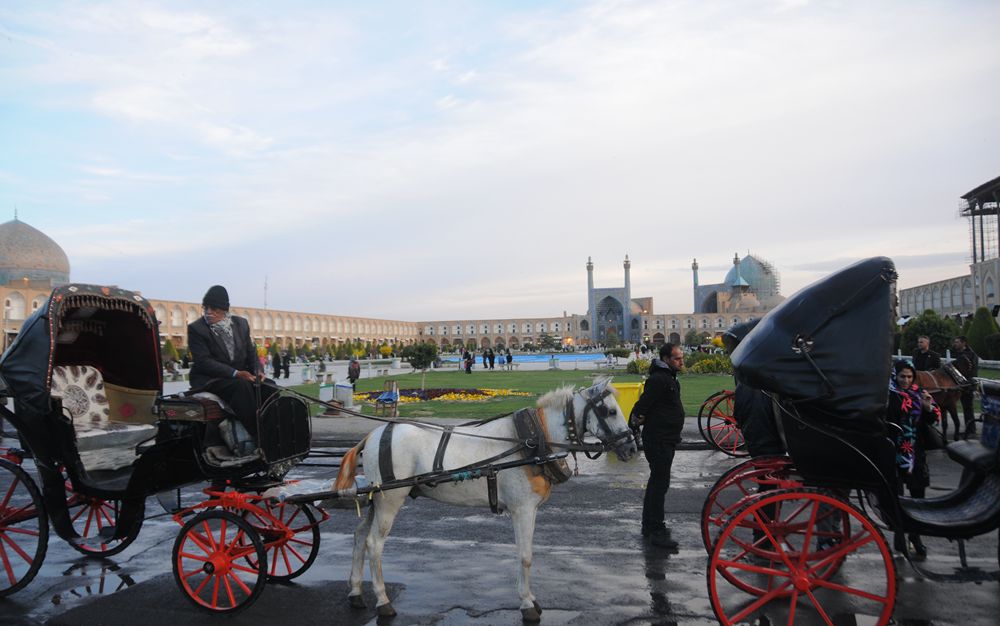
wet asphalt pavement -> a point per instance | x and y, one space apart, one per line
448 565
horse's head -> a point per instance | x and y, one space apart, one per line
602 417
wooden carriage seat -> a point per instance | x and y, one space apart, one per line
109 420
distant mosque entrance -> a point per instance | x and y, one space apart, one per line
610 320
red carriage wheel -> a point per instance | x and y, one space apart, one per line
292 545
720 428
813 559
24 528
210 562
739 483
705 408
94 518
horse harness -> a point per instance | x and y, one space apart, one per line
531 441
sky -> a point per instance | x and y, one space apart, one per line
462 160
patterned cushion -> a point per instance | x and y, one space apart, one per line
81 389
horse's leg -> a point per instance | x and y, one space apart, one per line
354 596
953 412
524 534
386 505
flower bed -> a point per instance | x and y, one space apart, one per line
448 395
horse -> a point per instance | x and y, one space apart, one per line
563 416
945 386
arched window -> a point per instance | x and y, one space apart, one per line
936 299
966 293
176 317
990 294
584 325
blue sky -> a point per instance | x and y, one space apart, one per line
441 160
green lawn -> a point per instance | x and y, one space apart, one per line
694 389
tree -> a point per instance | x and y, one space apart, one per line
169 352
693 338
983 325
385 350
612 340
547 342
940 330
421 356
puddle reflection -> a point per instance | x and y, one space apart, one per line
104 578
657 561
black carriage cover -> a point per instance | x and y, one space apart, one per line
828 348
109 328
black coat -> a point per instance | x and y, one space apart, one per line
926 361
210 357
660 402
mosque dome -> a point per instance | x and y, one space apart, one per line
26 252
759 275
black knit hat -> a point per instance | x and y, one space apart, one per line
216 297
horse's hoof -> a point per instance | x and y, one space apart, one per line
538 607
385 610
531 616
356 602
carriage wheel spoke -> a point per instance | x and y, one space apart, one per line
10 492
7 566
819 608
15 547
850 590
759 602
203 542
20 531
229 591
809 534
242 585
754 569
793 600
194 557
842 551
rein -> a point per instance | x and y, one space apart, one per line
576 442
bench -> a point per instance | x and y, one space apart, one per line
109 420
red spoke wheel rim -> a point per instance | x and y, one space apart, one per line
94 517
721 429
813 563
24 528
705 409
736 486
292 544
210 562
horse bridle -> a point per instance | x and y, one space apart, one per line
601 411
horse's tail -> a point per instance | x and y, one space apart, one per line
349 466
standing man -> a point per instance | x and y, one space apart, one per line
225 357
661 414
925 359
967 363
286 363
354 372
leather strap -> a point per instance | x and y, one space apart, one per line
491 488
442 445
385 454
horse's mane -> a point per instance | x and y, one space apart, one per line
556 398
559 397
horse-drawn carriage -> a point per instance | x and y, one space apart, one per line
783 536
85 378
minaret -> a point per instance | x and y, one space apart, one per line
694 271
590 301
627 334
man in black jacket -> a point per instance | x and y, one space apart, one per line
967 363
661 414
225 357
925 359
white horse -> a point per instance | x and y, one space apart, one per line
564 416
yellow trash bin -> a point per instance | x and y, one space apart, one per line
628 395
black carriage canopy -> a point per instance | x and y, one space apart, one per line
108 328
828 347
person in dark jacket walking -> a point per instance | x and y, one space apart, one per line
276 364
286 363
660 412
967 363
925 359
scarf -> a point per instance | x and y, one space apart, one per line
910 420
223 329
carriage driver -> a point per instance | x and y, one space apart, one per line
225 358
